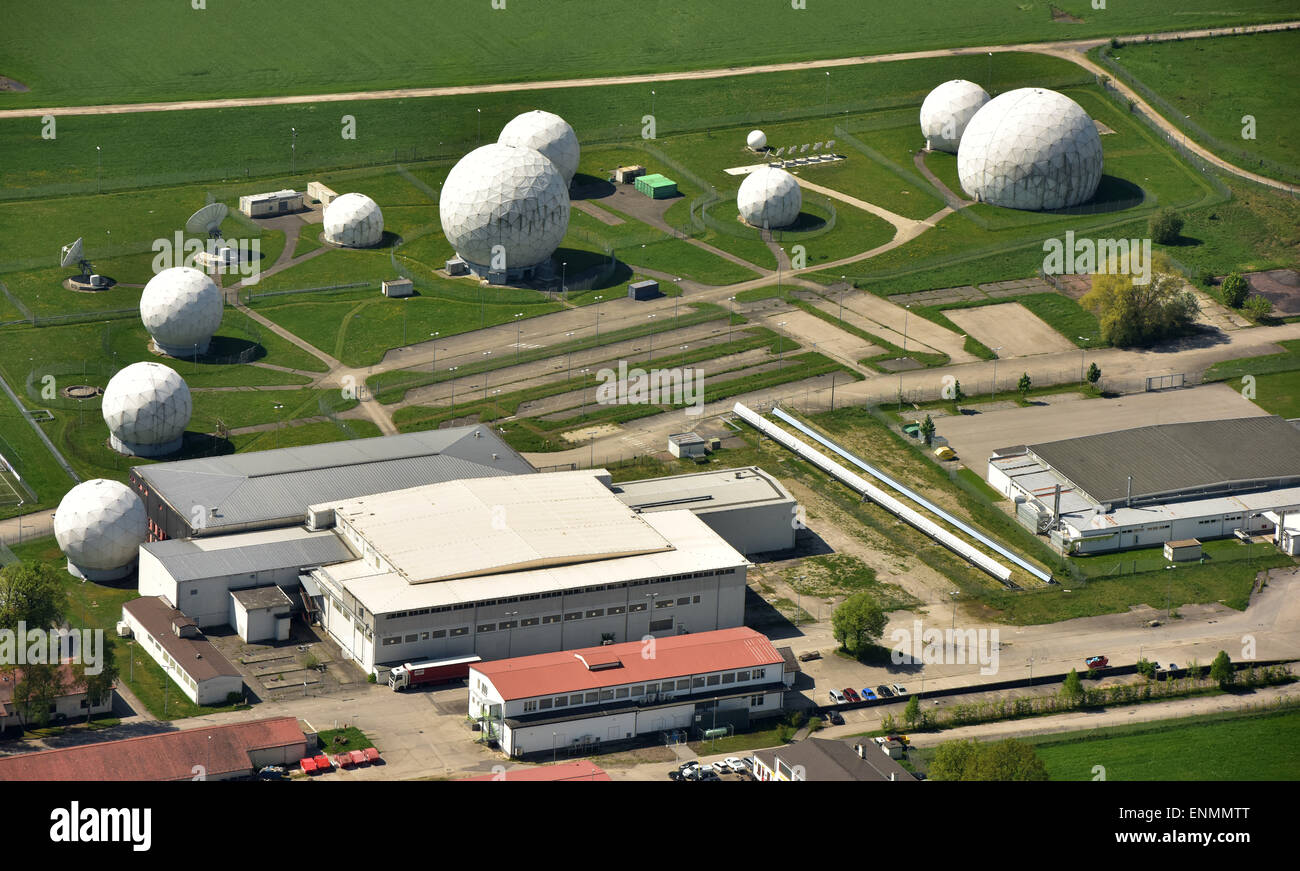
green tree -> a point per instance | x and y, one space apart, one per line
1024 385
1166 227
857 621
1234 289
1136 315
38 687
1072 689
1194 670
912 713
1094 374
1009 760
30 593
99 687
1221 670
958 395
1258 307
952 760
927 430
1146 668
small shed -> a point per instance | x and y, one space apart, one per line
686 444
319 192
261 614
656 186
628 174
1183 549
648 289
398 287
456 266
269 204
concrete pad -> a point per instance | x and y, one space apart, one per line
975 436
1010 326
807 329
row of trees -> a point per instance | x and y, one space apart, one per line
31 595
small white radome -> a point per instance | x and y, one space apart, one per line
757 140
769 198
354 221
946 112
548 133
100 525
181 308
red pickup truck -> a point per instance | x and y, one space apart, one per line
1096 662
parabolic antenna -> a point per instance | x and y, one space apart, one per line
71 254
208 220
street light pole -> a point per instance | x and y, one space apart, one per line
434 336
598 298
730 314
652 337
995 372
99 165
1083 352
452 371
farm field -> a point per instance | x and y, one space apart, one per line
483 44
1207 80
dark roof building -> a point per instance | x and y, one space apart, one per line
821 759
263 489
581 769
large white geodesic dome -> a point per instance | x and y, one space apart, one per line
507 196
548 133
354 221
100 526
769 198
181 308
947 110
756 140
147 407
1030 149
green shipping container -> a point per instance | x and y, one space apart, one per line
656 186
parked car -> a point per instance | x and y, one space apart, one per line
1096 662
833 717
851 694
899 689
1173 666
675 776
838 697
708 774
735 765
868 694
884 692
810 656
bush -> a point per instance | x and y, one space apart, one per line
1258 308
1235 289
1166 227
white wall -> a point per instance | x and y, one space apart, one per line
209 692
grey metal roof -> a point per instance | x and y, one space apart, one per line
1179 460
261 598
267 488
188 560
823 759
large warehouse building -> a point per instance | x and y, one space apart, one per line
1146 486
267 489
580 701
500 567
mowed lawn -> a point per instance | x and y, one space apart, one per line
147 50
1218 82
1259 747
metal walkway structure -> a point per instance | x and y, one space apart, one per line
875 494
917 498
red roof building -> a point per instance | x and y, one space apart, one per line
215 753
581 769
580 699
68 706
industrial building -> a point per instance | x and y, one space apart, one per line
213 752
747 507
821 759
1150 485
268 205
499 567
175 643
268 489
70 704
581 701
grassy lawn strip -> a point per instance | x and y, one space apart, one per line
391 387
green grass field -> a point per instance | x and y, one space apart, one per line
153 54
1218 82
1238 747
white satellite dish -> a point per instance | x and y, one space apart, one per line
208 220
71 254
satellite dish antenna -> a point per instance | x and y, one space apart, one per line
73 255
208 220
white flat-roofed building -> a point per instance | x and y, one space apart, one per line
580 701
272 203
749 508
520 565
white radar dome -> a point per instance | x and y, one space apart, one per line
147 407
757 140
1030 149
548 133
100 526
504 208
354 221
946 112
181 308
769 198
